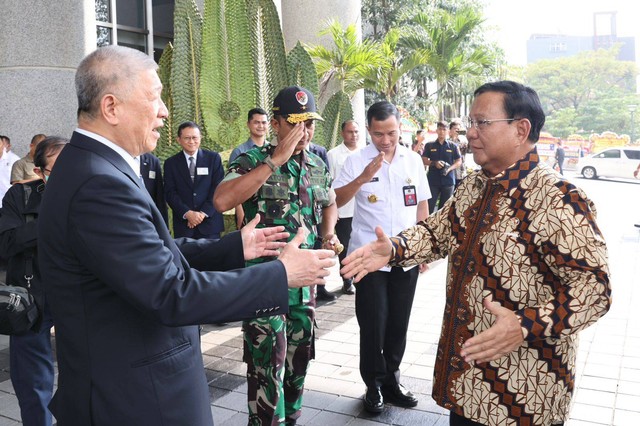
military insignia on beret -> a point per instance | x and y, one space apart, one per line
302 98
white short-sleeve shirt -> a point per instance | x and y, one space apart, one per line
382 200
336 157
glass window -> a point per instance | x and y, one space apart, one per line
610 153
163 16
131 13
632 154
103 12
130 21
104 36
134 40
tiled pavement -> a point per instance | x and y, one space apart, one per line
608 382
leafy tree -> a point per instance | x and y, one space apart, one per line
350 60
594 84
385 80
445 37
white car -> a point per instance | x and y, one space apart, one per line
618 162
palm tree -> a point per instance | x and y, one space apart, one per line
445 38
349 62
398 63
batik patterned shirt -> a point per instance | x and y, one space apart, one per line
528 239
293 196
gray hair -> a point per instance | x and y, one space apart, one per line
109 69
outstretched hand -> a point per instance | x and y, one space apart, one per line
305 267
368 258
503 337
262 242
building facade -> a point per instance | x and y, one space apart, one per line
42 43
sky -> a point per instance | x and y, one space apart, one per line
514 21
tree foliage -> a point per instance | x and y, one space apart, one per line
437 54
350 60
587 92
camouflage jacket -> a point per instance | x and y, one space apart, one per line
293 196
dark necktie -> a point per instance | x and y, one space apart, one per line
192 168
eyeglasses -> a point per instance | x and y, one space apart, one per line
483 124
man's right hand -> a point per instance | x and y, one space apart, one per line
372 168
287 145
305 267
368 258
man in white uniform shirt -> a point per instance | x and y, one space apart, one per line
7 158
390 189
336 157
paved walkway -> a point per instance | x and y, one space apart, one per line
608 382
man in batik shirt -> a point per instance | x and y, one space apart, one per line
527 271
286 185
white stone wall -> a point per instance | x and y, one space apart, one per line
41 44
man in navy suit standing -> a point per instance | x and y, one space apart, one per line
126 297
151 172
190 180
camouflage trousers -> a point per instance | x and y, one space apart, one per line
277 351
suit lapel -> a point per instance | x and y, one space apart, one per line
84 142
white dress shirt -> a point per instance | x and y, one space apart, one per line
382 201
336 157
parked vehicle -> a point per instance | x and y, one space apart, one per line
619 162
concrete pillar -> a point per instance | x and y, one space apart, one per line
42 43
303 19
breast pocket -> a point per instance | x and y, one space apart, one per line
273 200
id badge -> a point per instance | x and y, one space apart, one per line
409 193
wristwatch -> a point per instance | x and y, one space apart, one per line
269 163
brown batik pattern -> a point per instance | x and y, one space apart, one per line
528 239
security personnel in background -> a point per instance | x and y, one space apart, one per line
286 185
443 157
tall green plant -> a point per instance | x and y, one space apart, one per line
185 63
268 52
227 85
348 61
166 147
301 71
337 110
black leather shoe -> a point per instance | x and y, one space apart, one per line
373 402
323 294
348 287
398 395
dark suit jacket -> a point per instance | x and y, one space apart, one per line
320 151
151 173
184 195
125 297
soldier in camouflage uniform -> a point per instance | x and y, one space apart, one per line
286 185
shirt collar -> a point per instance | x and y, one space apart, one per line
186 156
132 161
510 177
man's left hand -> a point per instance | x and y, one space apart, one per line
503 337
262 242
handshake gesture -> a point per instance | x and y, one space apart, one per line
304 267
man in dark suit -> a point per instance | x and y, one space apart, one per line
190 180
122 291
151 173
